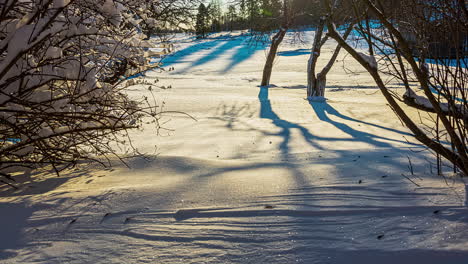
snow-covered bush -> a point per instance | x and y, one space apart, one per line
61 63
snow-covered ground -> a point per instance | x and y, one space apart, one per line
261 176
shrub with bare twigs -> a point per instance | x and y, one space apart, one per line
422 45
62 63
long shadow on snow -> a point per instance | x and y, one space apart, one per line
285 133
292 53
244 50
267 112
18 221
243 53
359 211
286 128
323 109
315 230
181 55
308 229
14 218
214 54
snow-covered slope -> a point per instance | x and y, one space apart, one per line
262 176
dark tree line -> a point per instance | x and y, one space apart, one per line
253 15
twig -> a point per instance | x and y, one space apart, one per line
410 180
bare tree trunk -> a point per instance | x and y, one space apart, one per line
316 84
319 87
275 42
312 63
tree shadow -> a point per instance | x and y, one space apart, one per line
15 218
214 54
180 55
44 181
292 53
286 128
323 110
244 49
266 112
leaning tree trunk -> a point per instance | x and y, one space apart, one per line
275 42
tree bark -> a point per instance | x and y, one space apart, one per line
316 84
275 42
268 68
314 55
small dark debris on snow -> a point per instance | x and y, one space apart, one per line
380 237
269 206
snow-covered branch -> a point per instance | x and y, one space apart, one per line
421 102
61 62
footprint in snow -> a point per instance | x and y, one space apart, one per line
104 217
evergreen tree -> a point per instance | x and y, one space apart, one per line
253 11
215 9
270 11
215 15
231 17
202 21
